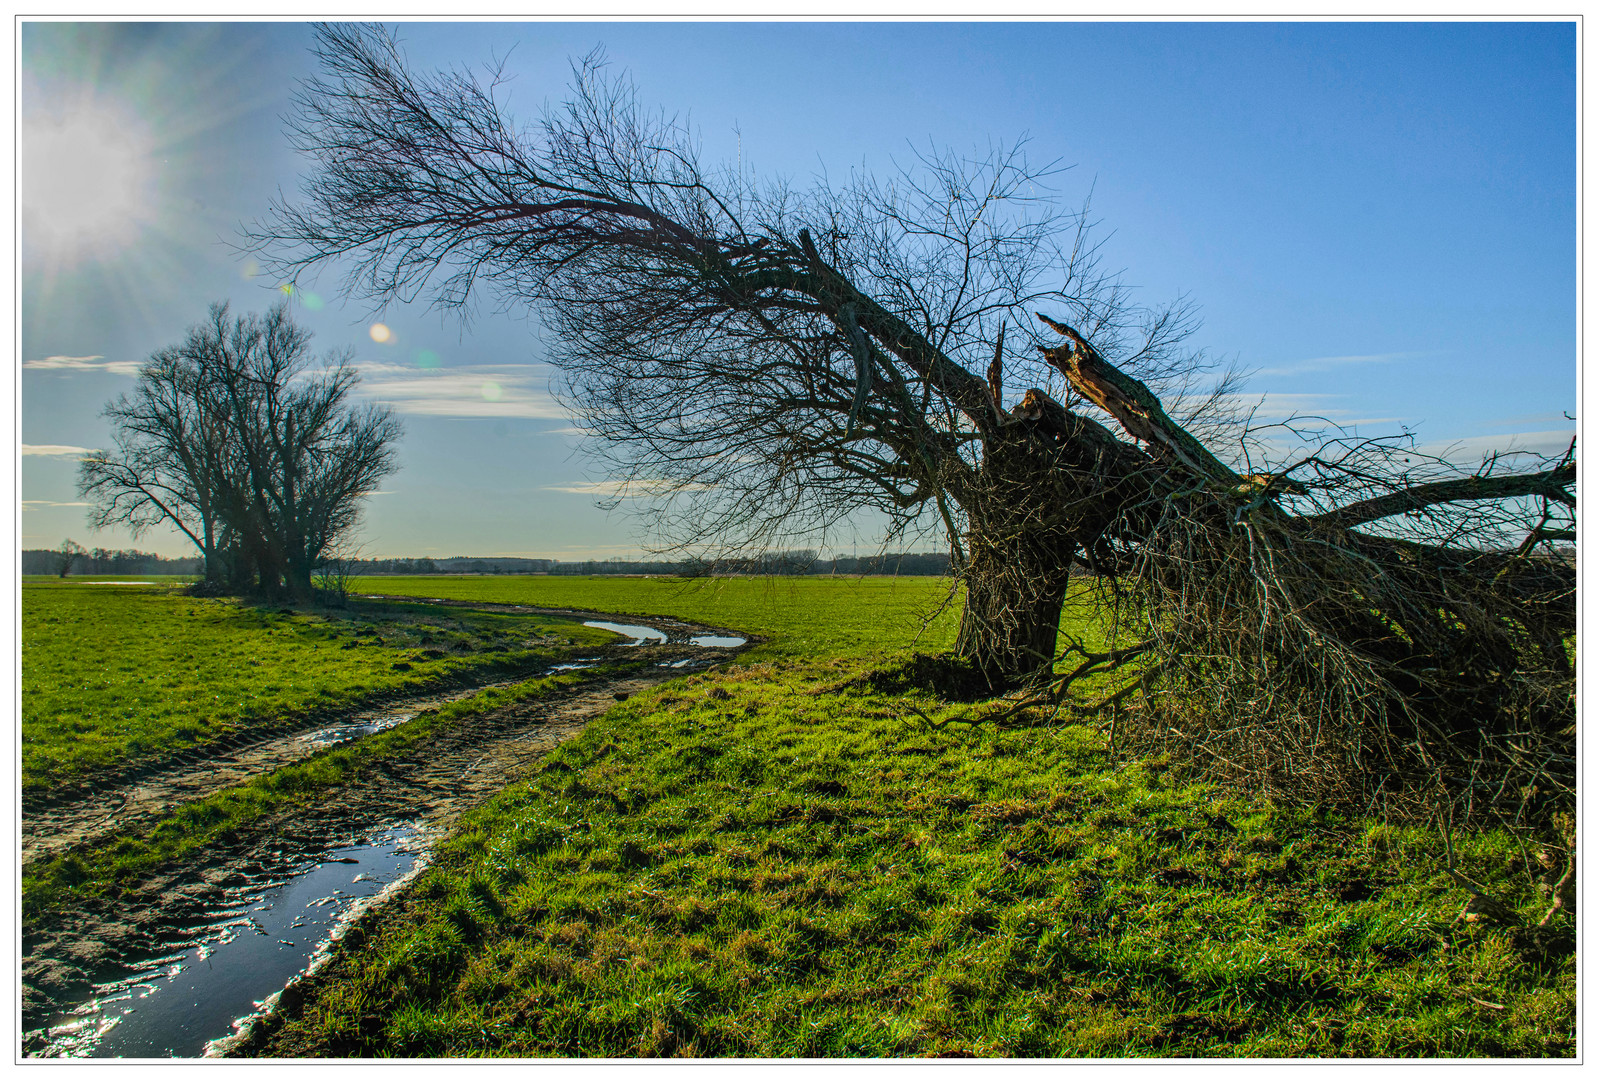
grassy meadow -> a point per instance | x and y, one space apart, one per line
779 861
798 616
782 858
115 675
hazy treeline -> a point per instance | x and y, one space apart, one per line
104 561
780 563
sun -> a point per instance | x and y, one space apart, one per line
88 179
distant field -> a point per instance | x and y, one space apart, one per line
839 616
119 673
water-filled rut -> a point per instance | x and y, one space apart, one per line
173 963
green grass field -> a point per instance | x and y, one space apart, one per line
808 616
759 863
115 674
782 859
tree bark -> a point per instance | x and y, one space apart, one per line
1020 548
1015 590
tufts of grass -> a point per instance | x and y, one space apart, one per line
737 864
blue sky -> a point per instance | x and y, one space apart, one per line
1379 220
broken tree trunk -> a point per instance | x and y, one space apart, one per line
1304 651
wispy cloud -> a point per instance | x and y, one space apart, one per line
609 489
1527 419
483 390
84 363
1474 448
54 451
44 504
1308 408
1327 363
616 489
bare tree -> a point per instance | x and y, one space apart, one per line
766 361
173 462
763 362
247 444
66 555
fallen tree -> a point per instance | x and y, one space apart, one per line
1351 619
1428 656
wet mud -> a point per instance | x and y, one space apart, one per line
52 829
172 963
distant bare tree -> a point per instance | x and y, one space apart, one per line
66 555
247 444
765 361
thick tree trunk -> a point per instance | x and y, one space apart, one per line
297 579
1019 556
1014 594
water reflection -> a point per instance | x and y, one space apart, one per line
173 1005
640 634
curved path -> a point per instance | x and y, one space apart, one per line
77 966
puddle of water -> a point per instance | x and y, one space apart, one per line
639 634
114 583
344 732
173 1006
369 723
648 635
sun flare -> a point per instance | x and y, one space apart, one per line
88 183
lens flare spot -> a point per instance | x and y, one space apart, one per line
286 289
492 391
381 334
428 359
249 269
311 301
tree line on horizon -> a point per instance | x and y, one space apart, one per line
780 563
100 560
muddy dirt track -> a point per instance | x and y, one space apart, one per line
71 958
52 828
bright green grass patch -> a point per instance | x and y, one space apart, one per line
117 674
882 618
119 860
750 863
842 616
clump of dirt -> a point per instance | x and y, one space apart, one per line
951 678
